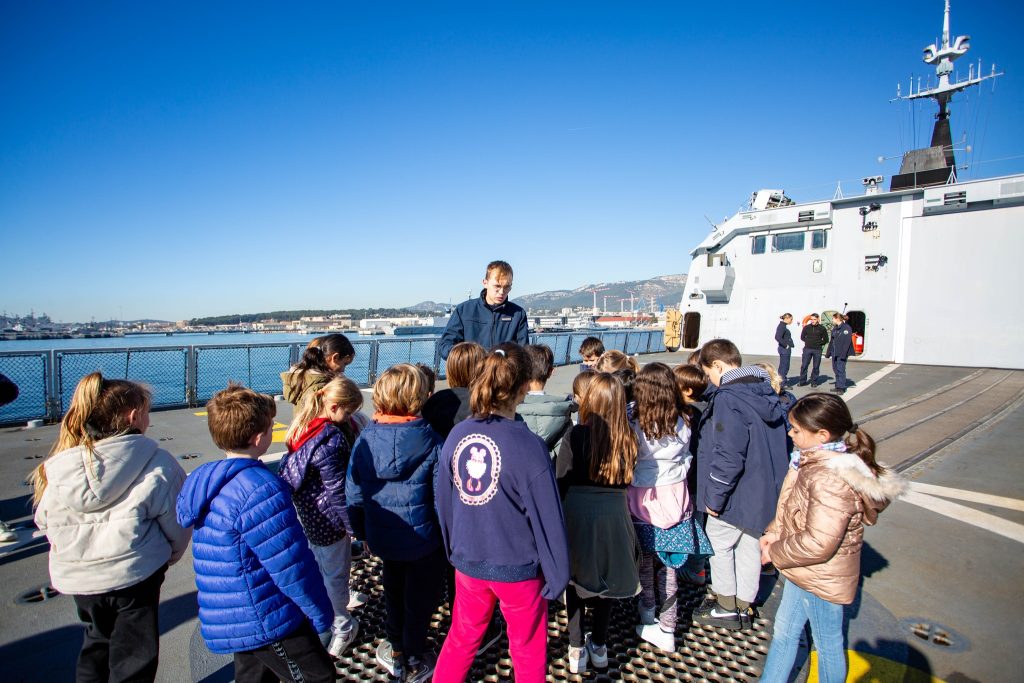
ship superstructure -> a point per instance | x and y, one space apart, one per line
926 271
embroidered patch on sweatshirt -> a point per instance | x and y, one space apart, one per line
476 467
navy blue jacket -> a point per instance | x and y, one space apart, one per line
488 326
258 581
390 489
500 511
315 472
783 336
841 345
742 454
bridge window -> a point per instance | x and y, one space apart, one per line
758 244
790 241
819 239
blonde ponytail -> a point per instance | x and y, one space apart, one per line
100 408
340 390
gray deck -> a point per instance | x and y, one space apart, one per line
951 578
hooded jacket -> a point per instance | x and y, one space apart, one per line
257 579
742 457
823 508
475 321
547 416
109 514
390 489
314 468
294 389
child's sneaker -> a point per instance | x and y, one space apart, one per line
578 657
341 641
747 618
646 615
418 669
653 634
598 654
385 657
7 534
713 614
356 600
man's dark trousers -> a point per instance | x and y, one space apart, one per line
810 356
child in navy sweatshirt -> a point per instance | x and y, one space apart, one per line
502 523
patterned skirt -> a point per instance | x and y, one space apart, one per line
675 545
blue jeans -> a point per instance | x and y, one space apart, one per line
797 607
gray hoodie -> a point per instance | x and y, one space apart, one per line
110 514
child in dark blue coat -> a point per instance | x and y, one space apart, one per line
742 459
261 595
390 492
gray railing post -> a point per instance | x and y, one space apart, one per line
371 375
437 360
52 392
191 380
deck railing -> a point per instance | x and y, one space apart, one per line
185 376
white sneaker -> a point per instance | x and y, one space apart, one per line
577 659
357 600
7 534
598 654
341 641
652 633
646 615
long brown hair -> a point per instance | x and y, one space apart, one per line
99 409
463 364
504 373
613 446
826 411
659 404
613 360
314 358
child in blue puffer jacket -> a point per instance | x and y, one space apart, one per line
261 596
314 468
390 493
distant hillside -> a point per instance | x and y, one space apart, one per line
667 290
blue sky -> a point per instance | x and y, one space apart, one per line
174 160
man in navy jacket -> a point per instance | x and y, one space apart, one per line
489 319
741 462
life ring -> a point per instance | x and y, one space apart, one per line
807 318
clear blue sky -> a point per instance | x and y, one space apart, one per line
173 160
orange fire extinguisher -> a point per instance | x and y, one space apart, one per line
858 344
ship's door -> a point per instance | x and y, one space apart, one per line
691 330
858 321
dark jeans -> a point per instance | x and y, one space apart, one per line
784 355
299 656
601 609
839 367
411 592
810 356
122 637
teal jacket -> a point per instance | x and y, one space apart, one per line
547 416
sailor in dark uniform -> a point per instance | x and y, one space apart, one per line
785 342
839 349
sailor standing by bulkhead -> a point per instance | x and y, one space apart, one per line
840 347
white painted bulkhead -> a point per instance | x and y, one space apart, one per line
943 294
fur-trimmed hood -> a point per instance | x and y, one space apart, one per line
877 491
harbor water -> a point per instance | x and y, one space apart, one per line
186 370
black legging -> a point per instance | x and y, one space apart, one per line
601 613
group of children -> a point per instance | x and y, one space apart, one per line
489 483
